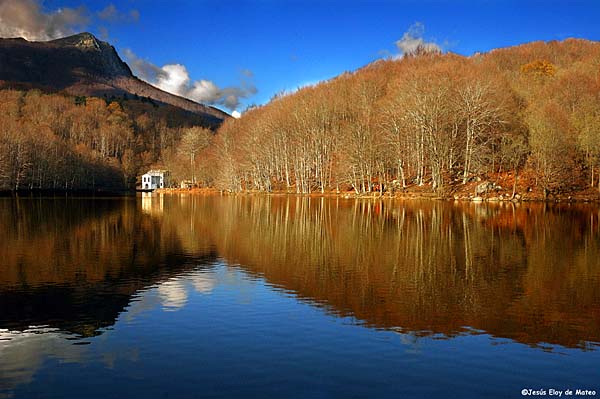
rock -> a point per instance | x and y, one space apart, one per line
477 199
493 199
484 187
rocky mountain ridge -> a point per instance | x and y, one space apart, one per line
83 65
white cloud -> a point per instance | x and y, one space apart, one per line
236 114
175 79
27 19
412 41
204 91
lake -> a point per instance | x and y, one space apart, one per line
178 296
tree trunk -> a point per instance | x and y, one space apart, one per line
514 191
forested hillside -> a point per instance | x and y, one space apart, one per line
528 115
74 117
62 142
525 118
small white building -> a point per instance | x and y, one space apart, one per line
154 179
186 184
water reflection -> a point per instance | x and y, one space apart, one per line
152 204
108 271
529 273
23 352
75 264
174 292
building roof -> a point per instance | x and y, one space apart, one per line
157 172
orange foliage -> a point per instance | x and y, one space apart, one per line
431 120
539 68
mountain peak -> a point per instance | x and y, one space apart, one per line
82 64
84 40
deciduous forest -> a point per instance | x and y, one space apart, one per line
62 142
529 115
525 117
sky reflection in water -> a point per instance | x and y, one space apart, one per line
224 297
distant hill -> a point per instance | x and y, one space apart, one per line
82 65
517 122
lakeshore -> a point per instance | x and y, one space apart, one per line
460 192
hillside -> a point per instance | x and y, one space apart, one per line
519 122
73 117
63 142
515 123
82 65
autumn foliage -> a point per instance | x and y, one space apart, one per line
61 142
433 121
427 122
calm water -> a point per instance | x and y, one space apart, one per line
184 297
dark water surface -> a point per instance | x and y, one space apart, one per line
184 297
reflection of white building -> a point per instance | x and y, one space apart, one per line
156 178
152 203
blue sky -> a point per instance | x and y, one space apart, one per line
287 44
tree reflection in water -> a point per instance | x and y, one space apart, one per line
526 272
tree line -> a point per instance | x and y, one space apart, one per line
427 120
62 142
